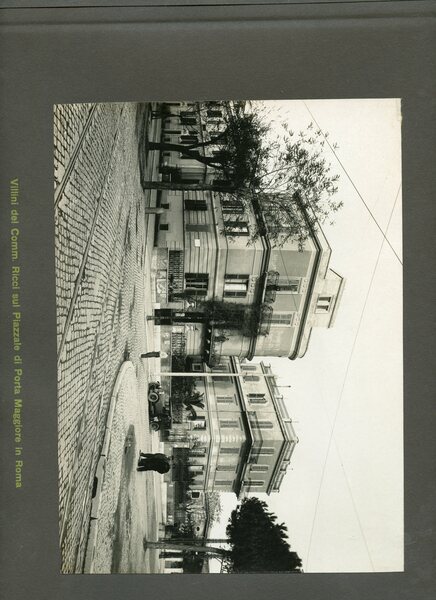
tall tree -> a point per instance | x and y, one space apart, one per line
232 149
282 176
294 190
258 543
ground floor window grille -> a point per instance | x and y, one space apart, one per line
197 204
196 284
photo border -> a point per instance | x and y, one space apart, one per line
363 50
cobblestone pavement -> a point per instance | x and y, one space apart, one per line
101 252
126 515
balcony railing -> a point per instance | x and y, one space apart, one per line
271 285
265 318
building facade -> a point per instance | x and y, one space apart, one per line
243 439
220 291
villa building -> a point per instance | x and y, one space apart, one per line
242 440
220 292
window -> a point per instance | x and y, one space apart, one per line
188 138
225 378
236 227
172 131
228 424
257 398
197 227
259 468
249 367
190 179
264 424
223 482
231 205
235 286
163 226
196 283
224 183
266 451
197 367
164 205
229 450
197 452
282 319
251 378
196 468
225 399
195 204
195 495
226 468
254 483
323 304
287 284
187 118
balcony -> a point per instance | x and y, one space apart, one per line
271 286
265 318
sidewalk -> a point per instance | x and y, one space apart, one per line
127 505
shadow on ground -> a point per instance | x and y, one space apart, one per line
123 514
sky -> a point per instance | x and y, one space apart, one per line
342 497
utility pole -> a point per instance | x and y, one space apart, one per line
174 545
202 374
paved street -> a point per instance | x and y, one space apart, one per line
129 507
103 279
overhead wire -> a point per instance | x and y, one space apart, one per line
353 184
340 402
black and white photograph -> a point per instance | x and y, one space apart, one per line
229 336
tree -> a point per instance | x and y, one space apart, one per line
236 148
258 543
282 176
294 190
213 500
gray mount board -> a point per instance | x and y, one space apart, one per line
358 50
181 3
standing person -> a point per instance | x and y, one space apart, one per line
158 455
153 462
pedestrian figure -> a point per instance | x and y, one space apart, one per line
153 462
154 355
